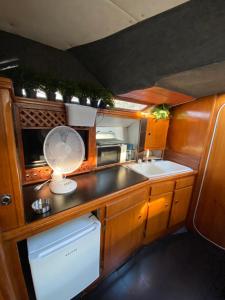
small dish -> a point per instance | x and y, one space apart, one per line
41 206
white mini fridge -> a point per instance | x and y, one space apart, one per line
65 260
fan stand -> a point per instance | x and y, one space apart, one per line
61 185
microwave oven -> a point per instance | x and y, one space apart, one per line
110 154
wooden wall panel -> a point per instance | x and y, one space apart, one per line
188 131
210 214
10 215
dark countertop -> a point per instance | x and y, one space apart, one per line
90 186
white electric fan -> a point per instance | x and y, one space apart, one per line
64 153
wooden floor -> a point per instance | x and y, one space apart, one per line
179 267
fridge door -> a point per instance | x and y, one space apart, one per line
62 270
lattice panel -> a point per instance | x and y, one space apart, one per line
41 118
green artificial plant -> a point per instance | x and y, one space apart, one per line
160 111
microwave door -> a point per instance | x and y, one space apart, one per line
108 155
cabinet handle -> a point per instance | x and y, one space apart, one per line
149 133
5 199
176 201
139 217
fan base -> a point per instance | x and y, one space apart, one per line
63 186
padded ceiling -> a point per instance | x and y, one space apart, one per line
75 22
198 82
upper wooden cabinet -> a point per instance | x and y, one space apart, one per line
156 134
125 226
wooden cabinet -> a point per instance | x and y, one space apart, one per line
156 134
180 205
168 206
124 227
158 215
11 208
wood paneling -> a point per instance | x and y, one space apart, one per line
158 215
156 95
156 134
10 215
181 201
210 217
188 131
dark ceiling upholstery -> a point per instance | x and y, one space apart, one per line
42 58
184 38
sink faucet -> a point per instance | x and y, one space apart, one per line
146 155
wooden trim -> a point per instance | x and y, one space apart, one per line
121 113
6 83
38 103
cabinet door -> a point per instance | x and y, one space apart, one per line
156 134
124 234
180 205
158 215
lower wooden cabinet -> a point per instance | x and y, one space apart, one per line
124 233
180 205
140 217
158 215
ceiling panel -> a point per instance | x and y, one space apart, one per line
66 24
143 9
62 24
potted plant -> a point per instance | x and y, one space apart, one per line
160 111
31 83
83 92
49 85
106 99
94 95
68 89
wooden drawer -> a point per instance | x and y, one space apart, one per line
162 188
126 201
183 182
